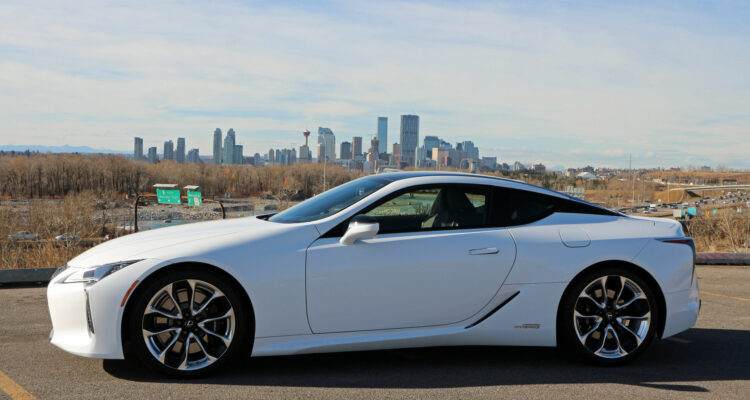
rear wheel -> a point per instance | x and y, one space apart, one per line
189 323
609 316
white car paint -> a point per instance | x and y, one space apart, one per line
313 294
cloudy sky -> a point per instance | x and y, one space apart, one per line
564 83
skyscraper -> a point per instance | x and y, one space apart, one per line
382 134
237 157
138 150
152 156
430 142
193 156
356 146
228 154
346 151
217 146
180 153
328 140
409 138
470 150
168 150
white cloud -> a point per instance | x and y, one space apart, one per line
544 79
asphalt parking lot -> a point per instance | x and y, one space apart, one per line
712 360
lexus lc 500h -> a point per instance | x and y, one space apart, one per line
386 261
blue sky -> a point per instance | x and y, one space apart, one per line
564 83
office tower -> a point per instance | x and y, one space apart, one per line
152 156
430 142
409 138
382 135
257 159
180 153
396 155
217 146
356 146
271 157
374 149
346 151
229 141
470 150
138 150
168 150
193 156
420 156
326 137
237 156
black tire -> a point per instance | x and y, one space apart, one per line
631 336
204 280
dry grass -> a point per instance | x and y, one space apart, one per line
726 231
82 214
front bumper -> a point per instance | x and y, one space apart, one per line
86 320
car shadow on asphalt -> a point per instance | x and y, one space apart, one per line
672 364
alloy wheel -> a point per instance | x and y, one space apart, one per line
188 325
612 317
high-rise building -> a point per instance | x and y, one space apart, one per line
152 156
346 151
180 153
229 141
138 150
430 142
356 146
409 138
396 154
326 137
471 151
168 150
382 135
237 157
193 156
217 146
420 156
271 157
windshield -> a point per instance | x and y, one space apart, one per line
331 201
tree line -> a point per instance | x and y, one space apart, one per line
36 175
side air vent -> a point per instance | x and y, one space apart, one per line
494 310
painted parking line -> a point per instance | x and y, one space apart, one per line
12 389
724 295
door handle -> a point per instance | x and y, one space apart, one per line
487 250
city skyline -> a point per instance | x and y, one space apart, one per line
564 84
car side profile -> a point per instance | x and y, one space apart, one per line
410 259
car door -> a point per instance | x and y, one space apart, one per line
435 261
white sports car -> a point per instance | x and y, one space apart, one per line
387 261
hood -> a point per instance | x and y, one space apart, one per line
157 242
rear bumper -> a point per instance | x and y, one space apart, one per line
682 309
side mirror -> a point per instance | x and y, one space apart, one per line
360 227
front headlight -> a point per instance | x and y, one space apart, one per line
92 275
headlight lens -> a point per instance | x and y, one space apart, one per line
92 275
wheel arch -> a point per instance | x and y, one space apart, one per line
638 270
175 267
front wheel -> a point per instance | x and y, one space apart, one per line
188 323
609 316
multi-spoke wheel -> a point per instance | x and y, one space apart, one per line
187 323
610 316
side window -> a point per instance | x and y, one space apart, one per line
519 207
429 208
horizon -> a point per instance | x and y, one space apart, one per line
561 84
